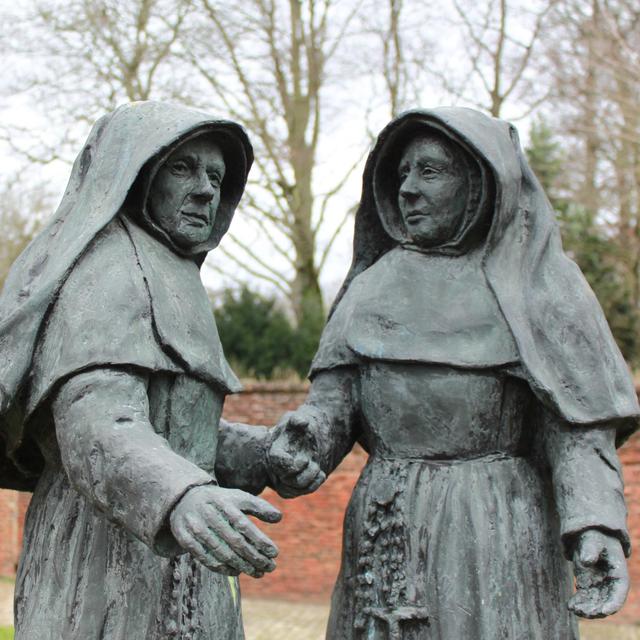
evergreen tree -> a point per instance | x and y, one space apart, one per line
258 338
587 243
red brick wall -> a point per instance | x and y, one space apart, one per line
13 506
309 536
630 458
264 403
9 540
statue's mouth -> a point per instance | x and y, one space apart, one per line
197 218
416 215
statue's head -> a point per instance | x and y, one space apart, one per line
433 189
185 193
430 190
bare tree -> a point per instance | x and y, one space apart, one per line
75 59
500 39
22 213
399 41
393 57
268 64
264 63
596 82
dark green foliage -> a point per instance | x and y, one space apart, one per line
546 160
258 338
307 335
602 261
588 243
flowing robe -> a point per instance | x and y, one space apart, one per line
464 518
462 521
124 370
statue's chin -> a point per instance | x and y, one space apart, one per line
190 236
428 240
428 232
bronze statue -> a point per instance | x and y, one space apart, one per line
112 383
466 353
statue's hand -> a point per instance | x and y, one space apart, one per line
292 455
211 524
602 579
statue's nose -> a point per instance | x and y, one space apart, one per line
409 188
203 190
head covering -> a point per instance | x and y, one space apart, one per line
130 142
386 185
235 157
562 339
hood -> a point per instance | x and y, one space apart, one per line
563 341
122 146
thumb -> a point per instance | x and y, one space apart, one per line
285 460
259 508
590 551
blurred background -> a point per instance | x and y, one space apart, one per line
314 81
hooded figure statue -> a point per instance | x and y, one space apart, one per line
112 381
468 356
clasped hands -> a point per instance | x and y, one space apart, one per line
293 455
211 522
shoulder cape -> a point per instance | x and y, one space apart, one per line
120 147
563 341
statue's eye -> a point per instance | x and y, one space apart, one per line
180 167
428 172
215 179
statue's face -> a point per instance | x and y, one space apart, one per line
433 191
185 193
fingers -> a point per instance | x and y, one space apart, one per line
319 479
586 603
208 523
617 580
618 590
249 530
308 475
204 555
601 577
599 601
295 419
295 474
236 543
298 429
257 507
285 461
307 481
292 456
191 544
229 547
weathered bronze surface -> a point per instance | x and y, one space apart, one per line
112 383
468 356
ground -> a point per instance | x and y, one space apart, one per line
278 620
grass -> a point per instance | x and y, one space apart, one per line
6 633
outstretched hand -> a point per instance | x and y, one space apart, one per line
293 467
211 524
602 579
